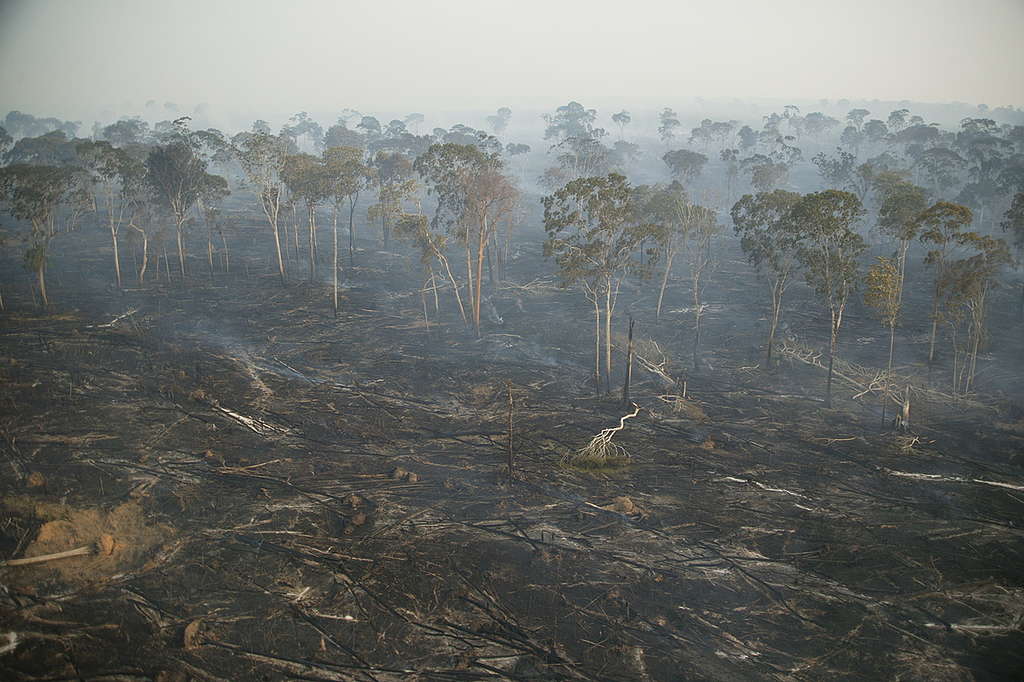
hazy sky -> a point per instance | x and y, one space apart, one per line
74 58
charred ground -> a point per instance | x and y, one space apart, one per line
278 493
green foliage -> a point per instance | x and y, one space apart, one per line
176 176
591 233
450 170
571 120
767 234
1013 221
828 249
668 122
901 203
882 289
685 164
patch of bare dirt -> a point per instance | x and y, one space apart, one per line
121 539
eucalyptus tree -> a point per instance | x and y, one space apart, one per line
900 204
664 208
349 176
340 135
118 178
302 126
592 237
941 168
371 126
210 203
668 123
702 227
942 227
828 251
855 117
685 165
473 194
176 175
817 123
882 294
392 175
432 245
835 169
394 128
765 225
51 149
748 138
875 131
966 285
499 120
622 119
571 120
1013 221
262 156
413 121
731 159
43 195
897 120
765 174
306 178
126 133
578 157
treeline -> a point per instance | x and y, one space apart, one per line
896 182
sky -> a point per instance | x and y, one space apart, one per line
77 58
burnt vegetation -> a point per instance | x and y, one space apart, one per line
697 399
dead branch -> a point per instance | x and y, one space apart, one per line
600 450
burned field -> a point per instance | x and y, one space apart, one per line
267 492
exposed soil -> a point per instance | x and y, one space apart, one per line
274 493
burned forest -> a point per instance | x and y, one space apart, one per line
679 389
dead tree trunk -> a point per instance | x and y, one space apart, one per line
629 365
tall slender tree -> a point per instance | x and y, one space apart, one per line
764 223
829 250
592 237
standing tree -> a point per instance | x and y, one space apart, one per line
348 176
684 164
768 237
499 121
118 178
702 226
211 197
668 123
828 251
666 209
176 176
901 204
966 284
262 156
883 295
592 238
942 226
473 194
622 119
306 178
392 175
37 194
